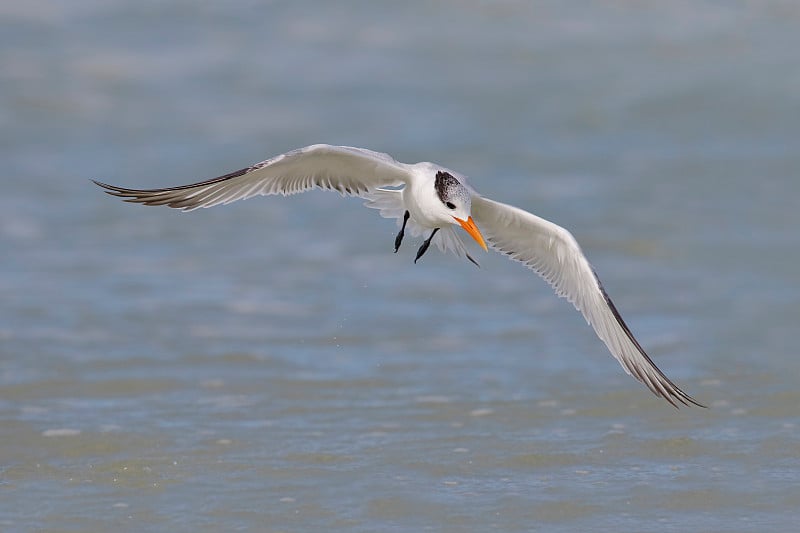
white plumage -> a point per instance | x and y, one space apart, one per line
437 200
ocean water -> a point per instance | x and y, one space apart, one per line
273 366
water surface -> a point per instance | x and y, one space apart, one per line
272 366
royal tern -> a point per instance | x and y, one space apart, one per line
429 199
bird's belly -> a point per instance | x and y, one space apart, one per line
418 213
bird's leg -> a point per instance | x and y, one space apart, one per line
399 238
425 245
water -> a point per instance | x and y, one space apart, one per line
272 366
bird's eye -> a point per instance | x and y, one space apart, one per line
450 205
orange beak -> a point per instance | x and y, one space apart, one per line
470 227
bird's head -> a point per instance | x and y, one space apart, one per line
456 201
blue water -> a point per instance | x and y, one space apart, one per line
273 366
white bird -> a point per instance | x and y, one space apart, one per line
426 197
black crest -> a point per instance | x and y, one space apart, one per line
445 183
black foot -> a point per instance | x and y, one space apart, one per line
399 239
425 245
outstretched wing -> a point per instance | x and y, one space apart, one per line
552 252
350 171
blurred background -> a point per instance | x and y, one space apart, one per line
273 366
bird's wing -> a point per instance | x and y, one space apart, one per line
552 252
389 202
350 171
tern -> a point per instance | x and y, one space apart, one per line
428 199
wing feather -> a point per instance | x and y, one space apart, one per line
347 170
554 254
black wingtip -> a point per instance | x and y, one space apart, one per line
661 385
692 402
673 393
108 189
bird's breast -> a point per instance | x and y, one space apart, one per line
420 207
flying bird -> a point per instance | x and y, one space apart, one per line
428 199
